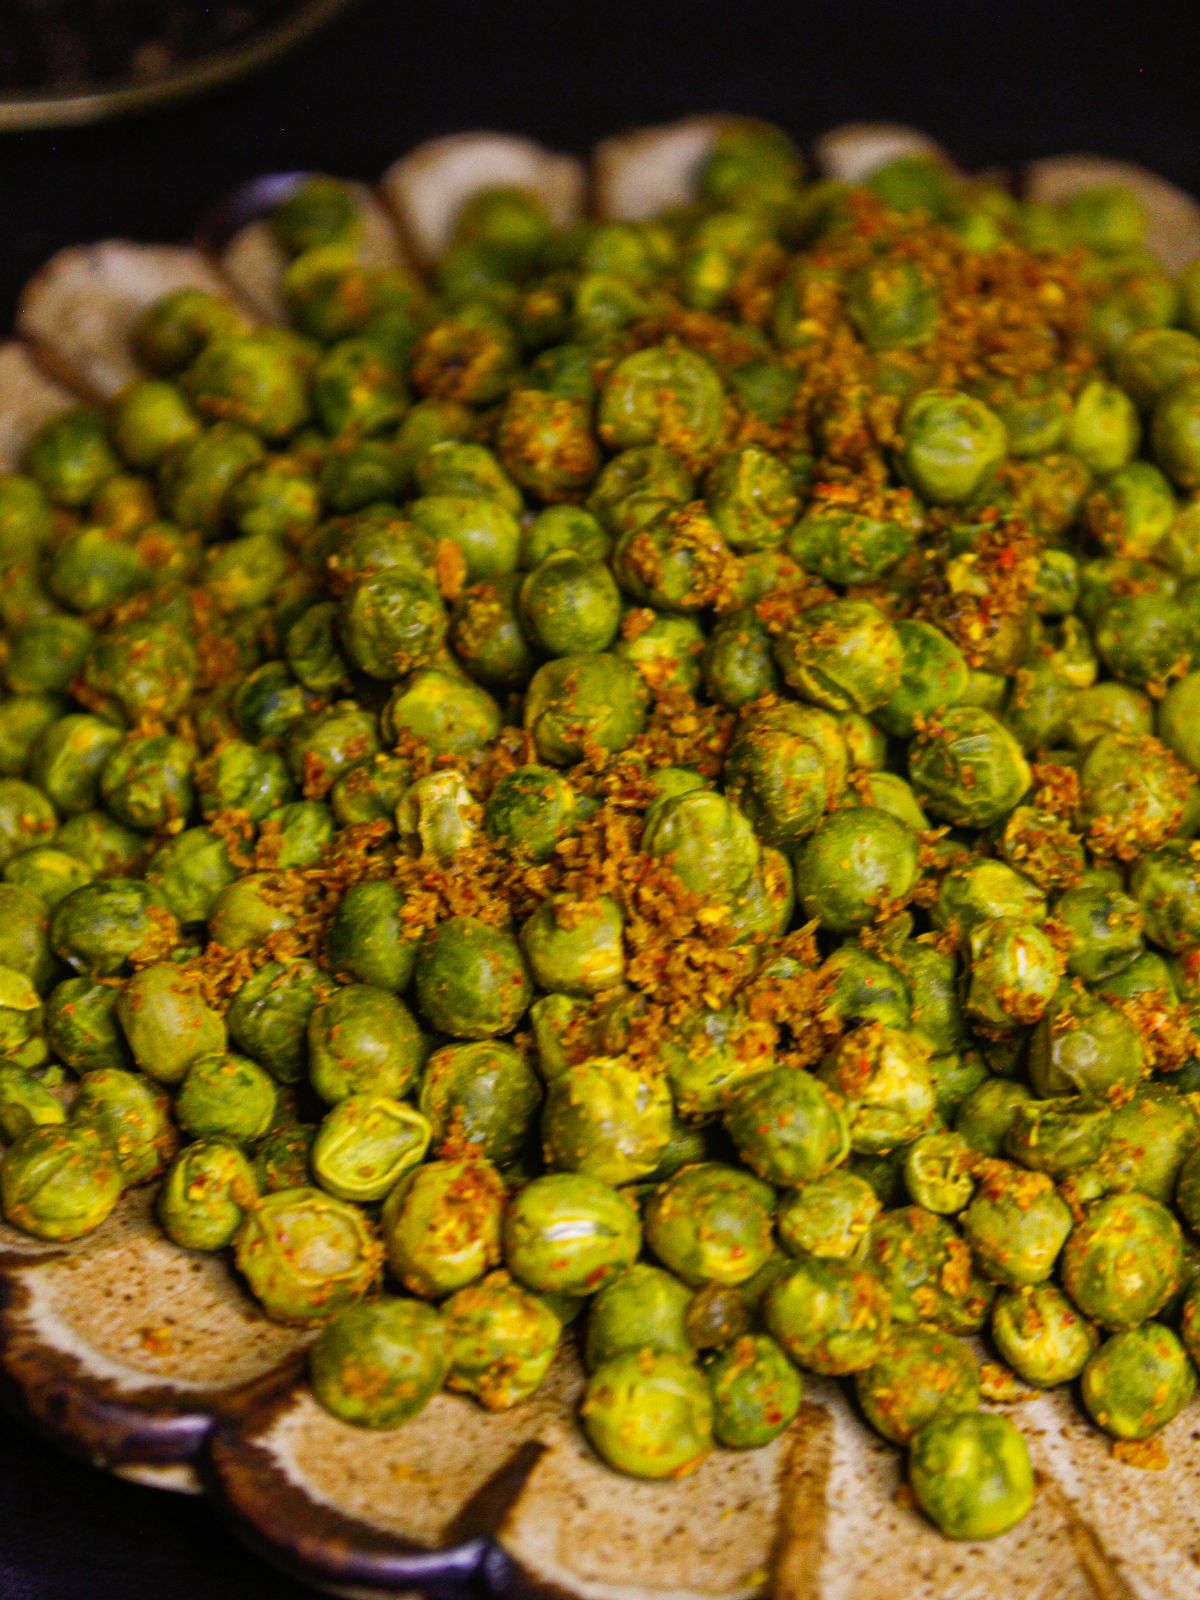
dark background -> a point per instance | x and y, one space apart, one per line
997 83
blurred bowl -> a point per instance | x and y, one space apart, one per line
74 108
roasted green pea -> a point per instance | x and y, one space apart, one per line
568 1232
649 1415
971 1474
1017 1223
921 1375
643 1309
1041 1335
1138 1381
441 1225
365 1145
362 1040
132 1116
59 1182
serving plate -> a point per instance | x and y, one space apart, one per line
153 1363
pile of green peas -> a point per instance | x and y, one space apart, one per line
935 605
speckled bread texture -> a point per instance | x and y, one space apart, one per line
77 312
254 263
154 1362
854 150
637 174
30 398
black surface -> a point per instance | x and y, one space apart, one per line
997 83
68 1532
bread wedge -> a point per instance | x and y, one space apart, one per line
77 312
1172 216
27 399
254 263
425 190
855 150
644 171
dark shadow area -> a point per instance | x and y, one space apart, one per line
68 1532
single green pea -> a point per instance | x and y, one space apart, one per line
829 1217
59 1182
546 443
1137 1381
26 1102
569 1232
173 330
167 1022
1058 1136
487 637
282 1157
1014 975
204 1198
131 1114
1132 794
45 654
575 946
1103 430
710 1053
922 1375
967 768
365 1145
756 1392
270 1014
1175 434
649 1414
363 1040
858 864
446 714
752 498
70 457
788 1127
606 1119
1122 1262
471 980
645 1308
305 1255
1041 1335
971 1474
370 790
1017 1224
100 926
369 939
951 444
738 664
662 396
378 1365
501 1341
530 810
676 560
248 911
47 872
1084 1046
441 1225
933 677
927 1271
882 1076
830 1316
843 655
225 1096
711 1223
938 1172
